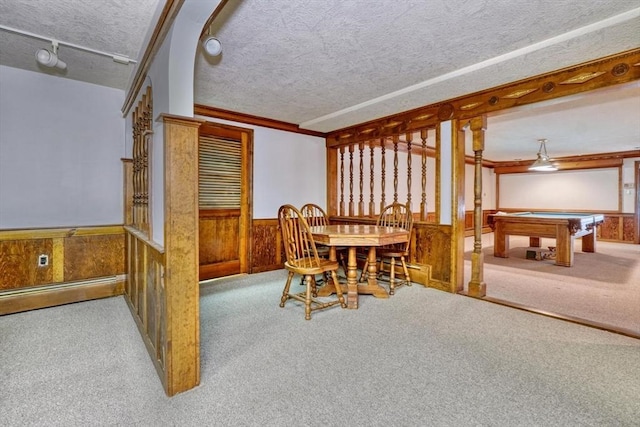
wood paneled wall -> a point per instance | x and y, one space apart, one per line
266 246
83 263
145 294
617 228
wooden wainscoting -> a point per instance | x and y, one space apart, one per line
145 295
617 228
266 247
53 266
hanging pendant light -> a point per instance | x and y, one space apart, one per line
542 163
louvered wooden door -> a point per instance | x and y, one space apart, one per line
223 198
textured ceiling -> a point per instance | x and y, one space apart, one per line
113 26
328 64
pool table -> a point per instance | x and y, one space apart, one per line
564 227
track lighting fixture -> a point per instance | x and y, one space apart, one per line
212 46
50 58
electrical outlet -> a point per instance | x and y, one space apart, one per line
43 260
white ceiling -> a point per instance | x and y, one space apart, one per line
328 64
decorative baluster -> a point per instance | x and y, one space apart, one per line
145 170
136 168
409 139
383 163
396 139
351 205
361 202
423 203
372 205
341 181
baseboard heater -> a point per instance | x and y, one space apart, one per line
24 299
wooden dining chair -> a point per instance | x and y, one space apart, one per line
315 215
302 258
393 215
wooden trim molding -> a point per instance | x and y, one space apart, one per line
218 113
612 70
563 163
59 232
168 15
19 300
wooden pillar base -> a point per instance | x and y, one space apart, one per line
477 287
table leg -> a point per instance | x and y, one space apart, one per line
353 289
534 242
352 279
564 246
500 242
589 241
373 287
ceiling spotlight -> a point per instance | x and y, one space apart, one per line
542 163
212 46
50 59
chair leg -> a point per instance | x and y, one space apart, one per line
285 292
406 271
365 272
307 303
392 277
334 276
343 263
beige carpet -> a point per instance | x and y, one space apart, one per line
601 288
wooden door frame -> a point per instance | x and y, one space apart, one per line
244 135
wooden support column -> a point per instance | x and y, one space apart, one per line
477 287
351 203
383 165
181 303
342 211
332 179
457 207
361 200
372 204
409 137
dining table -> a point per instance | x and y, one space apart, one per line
354 236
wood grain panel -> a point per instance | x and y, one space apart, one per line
433 248
19 263
181 253
628 230
267 246
145 295
219 239
88 257
611 228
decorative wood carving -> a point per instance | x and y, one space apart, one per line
267 247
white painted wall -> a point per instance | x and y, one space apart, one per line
288 168
592 189
61 142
